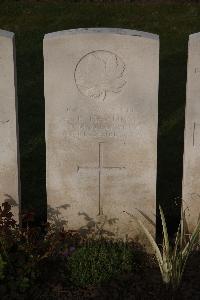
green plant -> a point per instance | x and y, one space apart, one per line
26 253
98 261
173 256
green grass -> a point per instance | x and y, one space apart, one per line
99 261
30 20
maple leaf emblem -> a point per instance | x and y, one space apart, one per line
99 73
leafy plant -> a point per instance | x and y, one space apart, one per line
25 252
98 261
173 256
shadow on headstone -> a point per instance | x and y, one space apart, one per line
8 198
92 227
96 227
55 216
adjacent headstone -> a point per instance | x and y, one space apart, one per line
101 91
9 180
191 168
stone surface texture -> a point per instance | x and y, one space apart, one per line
191 165
9 154
101 94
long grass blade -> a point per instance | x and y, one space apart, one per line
165 233
153 244
151 240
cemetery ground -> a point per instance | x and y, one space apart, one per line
52 263
48 270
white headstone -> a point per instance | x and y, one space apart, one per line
101 91
191 168
9 181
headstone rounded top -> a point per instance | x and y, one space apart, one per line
194 35
120 31
7 34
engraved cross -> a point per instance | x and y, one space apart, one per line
99 169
